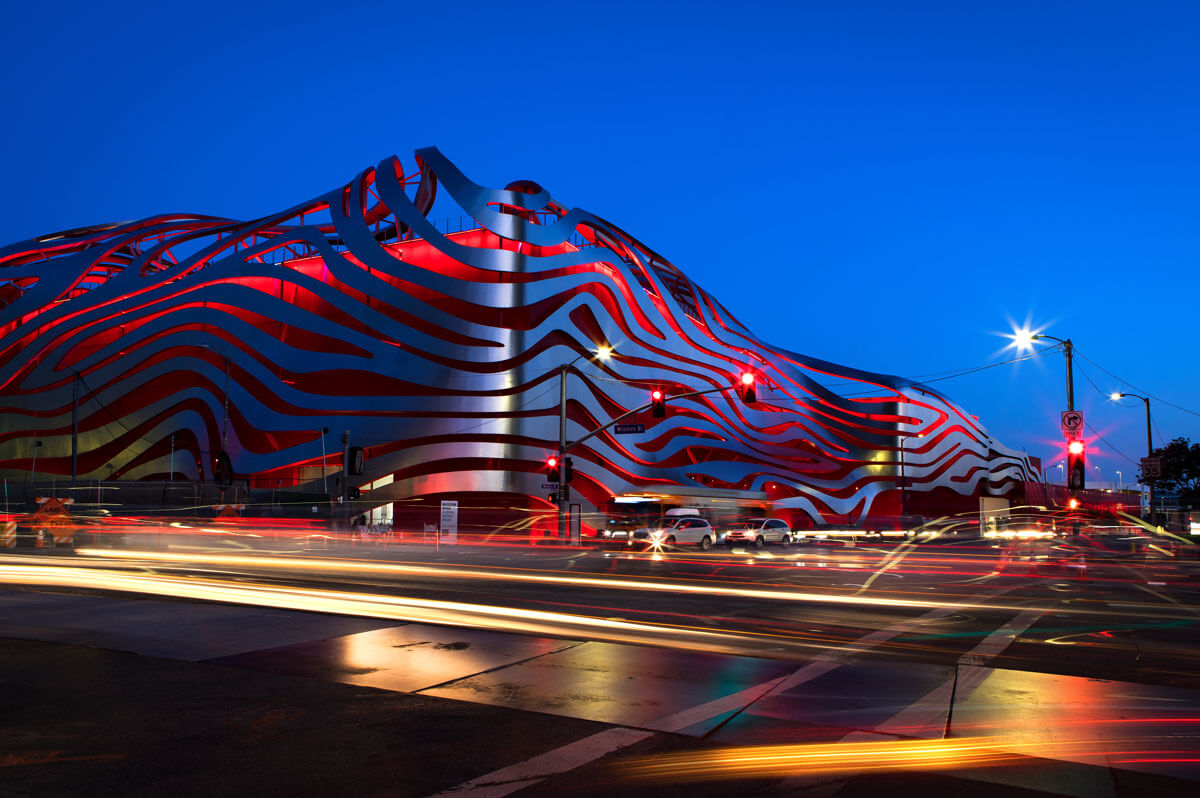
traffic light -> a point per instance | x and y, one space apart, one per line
223 469
1076 468
355 459
568 469
658 404
552 469
746 388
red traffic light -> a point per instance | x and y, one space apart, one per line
746 387
1076 466
552 469
551 462
658 404
1073 504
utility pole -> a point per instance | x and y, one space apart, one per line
1149 453
1068 350
74 428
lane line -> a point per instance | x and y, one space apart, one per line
568 757
926 717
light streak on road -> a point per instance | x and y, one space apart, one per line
856 757
114 558
402 608
815 759
360 567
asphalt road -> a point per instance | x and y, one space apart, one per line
1107 613
268 716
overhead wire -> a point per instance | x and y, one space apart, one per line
1136 388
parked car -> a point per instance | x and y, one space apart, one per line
757 532
676 531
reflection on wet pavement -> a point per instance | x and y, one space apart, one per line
403 658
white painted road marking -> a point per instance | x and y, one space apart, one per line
568 757
926 717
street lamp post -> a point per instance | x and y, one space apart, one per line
33 473
1064 472
903 480
1149 450
562 495
1120 482
1069 351
324 471
1099 476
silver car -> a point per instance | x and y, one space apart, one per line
676 531
757 532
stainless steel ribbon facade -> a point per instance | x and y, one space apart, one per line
438 350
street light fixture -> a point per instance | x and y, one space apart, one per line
1120 482
1116 396
1064 472
1025 341
602 353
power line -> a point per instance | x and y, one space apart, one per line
954 374
1136 388
1115 450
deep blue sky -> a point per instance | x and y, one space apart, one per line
882 184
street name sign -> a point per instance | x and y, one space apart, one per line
624 429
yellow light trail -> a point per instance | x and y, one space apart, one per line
126 558
401 608
392 569
814 759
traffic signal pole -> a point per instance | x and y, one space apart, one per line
563 447
562 494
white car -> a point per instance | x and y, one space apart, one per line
674 531
757 532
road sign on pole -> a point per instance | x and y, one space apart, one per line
449 525
1072 422
1151 467
625 429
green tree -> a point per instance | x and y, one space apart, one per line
1180 469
